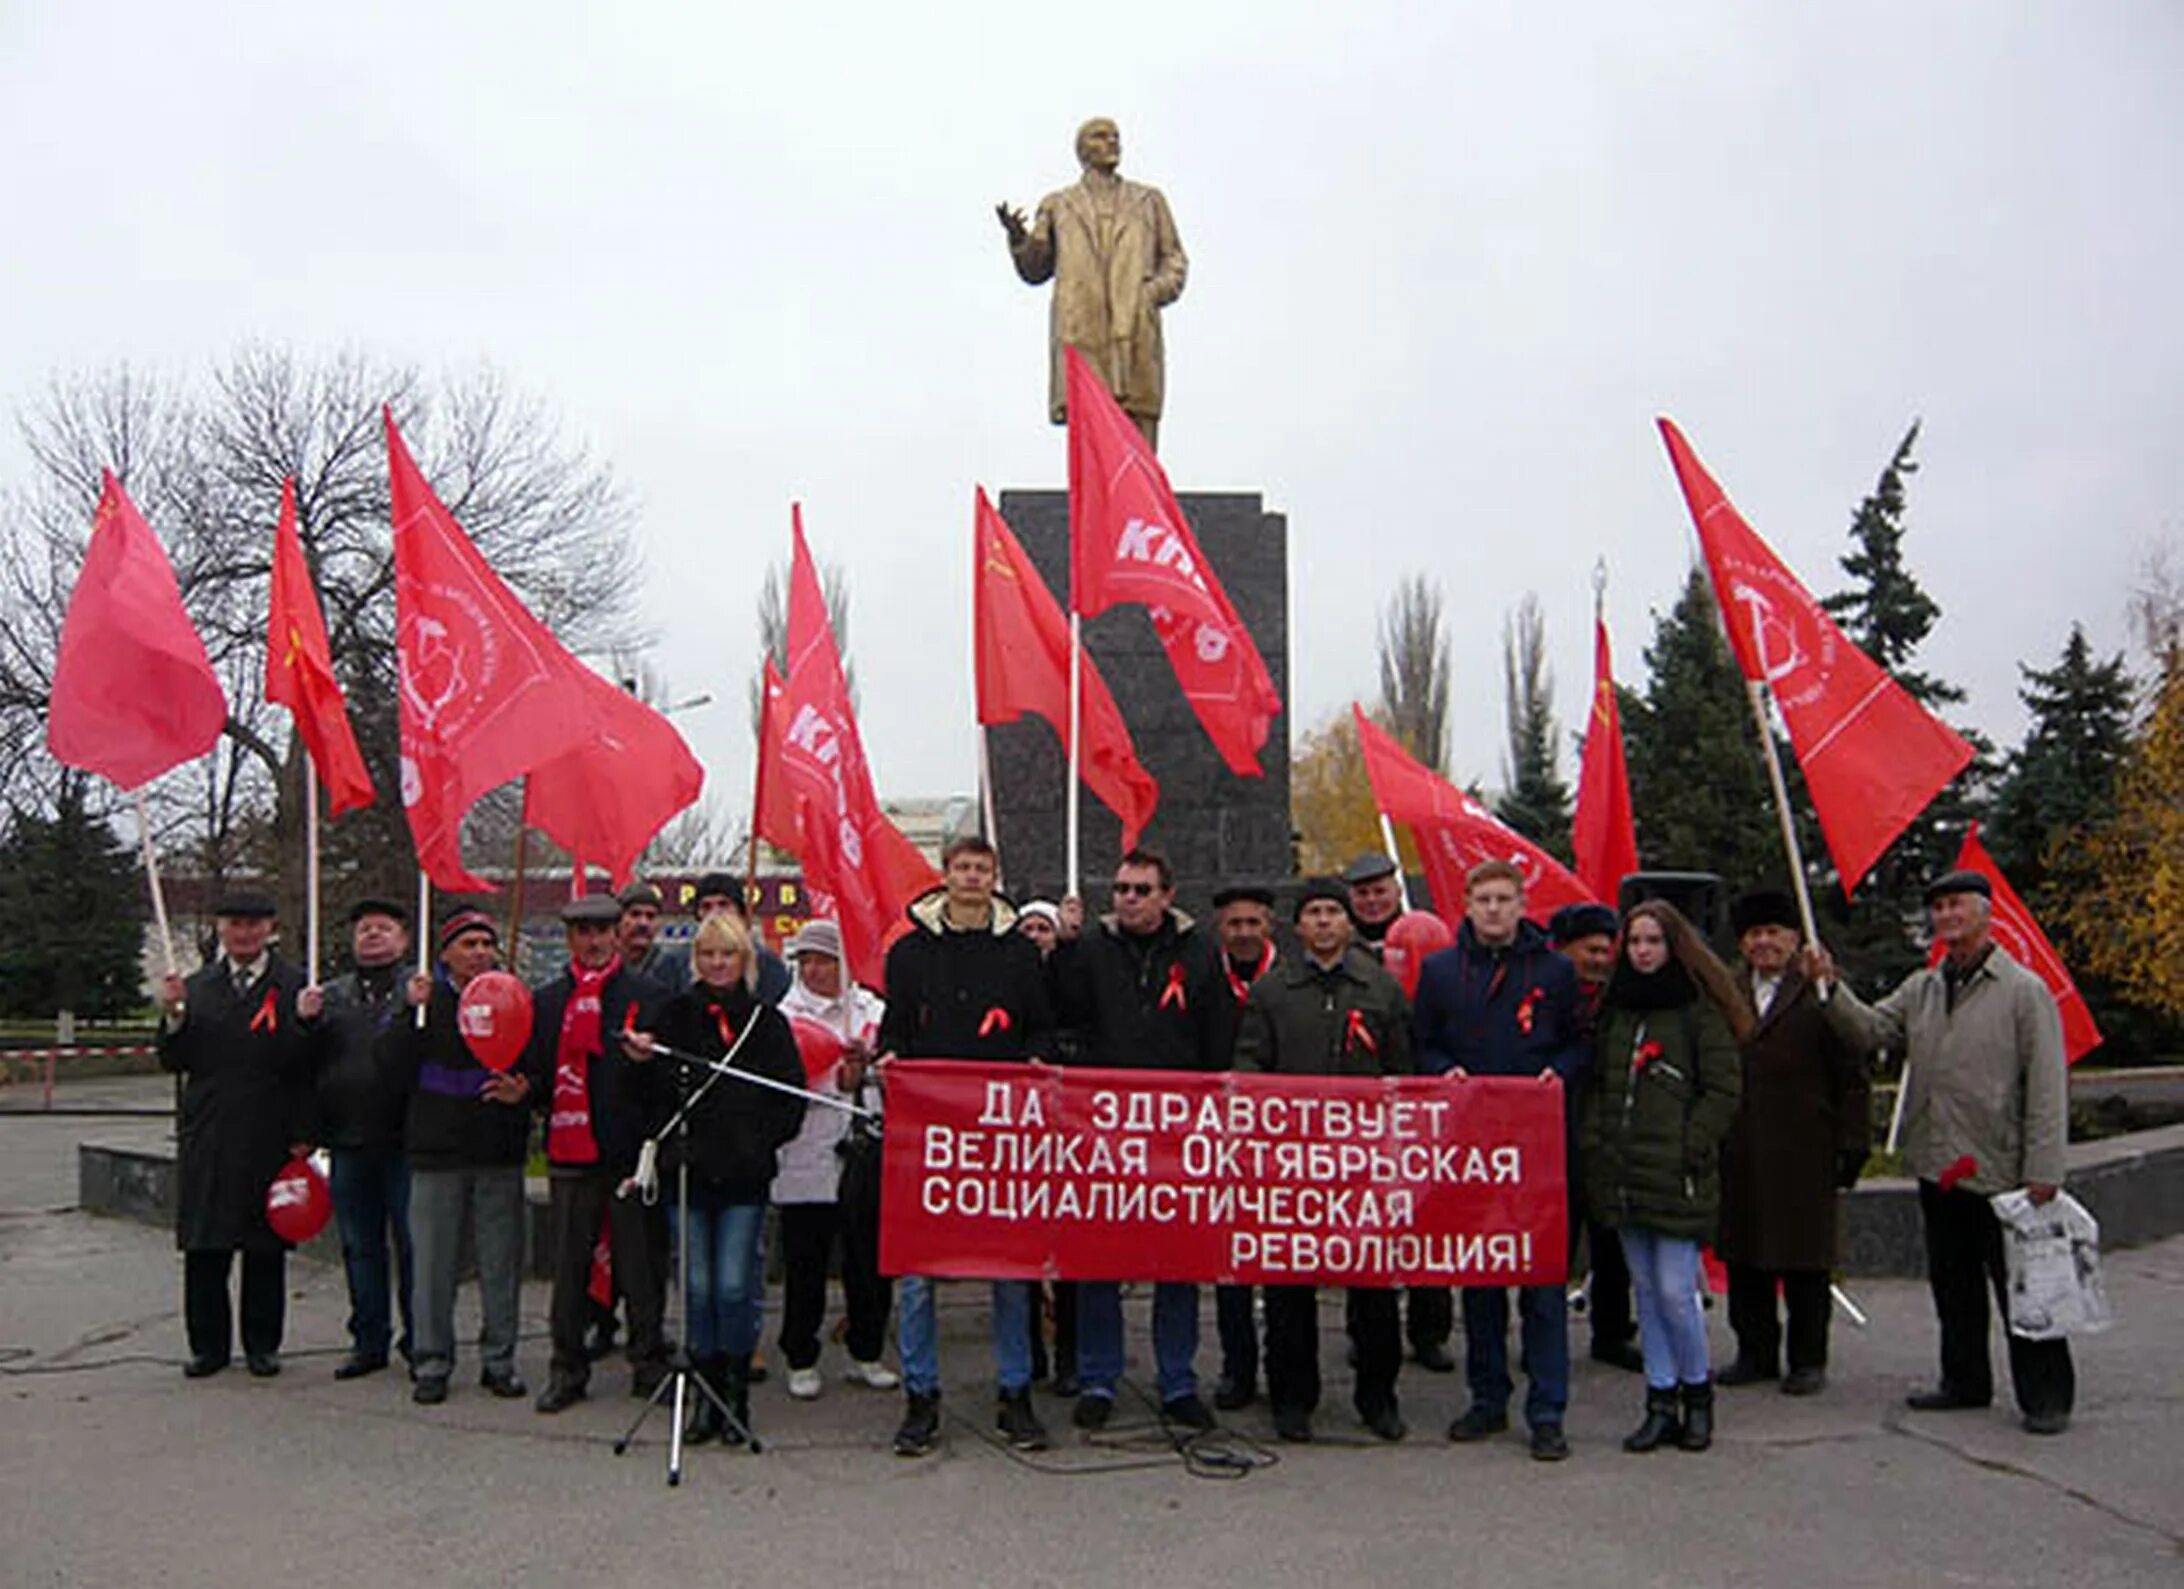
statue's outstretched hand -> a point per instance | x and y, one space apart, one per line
1012 222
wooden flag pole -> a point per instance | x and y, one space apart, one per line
522 860
1387 840
1756 693
1076 735
424 935
311 868
151 875
989 823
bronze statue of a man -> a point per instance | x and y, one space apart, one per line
1111 248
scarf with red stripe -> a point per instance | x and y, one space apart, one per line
1241 986
569 1138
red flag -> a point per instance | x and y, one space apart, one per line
626 779
773 808
299 669
1129 543
484 696
1601 834
1022 642
133 691
858 867
1872 756
1455 833
2015 930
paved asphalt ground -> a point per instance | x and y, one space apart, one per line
117 1471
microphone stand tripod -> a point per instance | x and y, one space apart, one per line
681 1376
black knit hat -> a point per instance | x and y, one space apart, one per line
1573 922
1329 888
1764 907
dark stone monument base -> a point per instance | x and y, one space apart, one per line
1215 827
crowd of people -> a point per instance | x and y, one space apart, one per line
1705 1105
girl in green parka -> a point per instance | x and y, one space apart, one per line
1664 1096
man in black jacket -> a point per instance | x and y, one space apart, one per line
595 1123
465 1129
1584 935
242 1033
360 1120
1243 923
964 984
1141 990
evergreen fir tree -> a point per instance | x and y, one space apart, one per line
72 910
1888 614
2062 780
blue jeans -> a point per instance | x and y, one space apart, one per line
371 1198
1664 1271
918 1335
722 1243
1175 1338
1543 1314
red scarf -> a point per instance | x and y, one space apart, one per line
1241 986
569 1138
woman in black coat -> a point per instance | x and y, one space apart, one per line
731 1138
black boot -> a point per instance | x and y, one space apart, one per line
1698 1417
703 1425
735 1390
1661 1426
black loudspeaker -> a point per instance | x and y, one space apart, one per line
1702 897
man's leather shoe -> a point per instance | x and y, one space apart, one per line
1230 1395
1746 1372
2046 1423
1385 1423
357 1364
507 1386
559 1396
1433 1358
430 1392
200 1367
1549 1444
1804 1381
1941 1400
262 1365
1293 1424
1476 1424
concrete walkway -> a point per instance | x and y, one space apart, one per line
118 1471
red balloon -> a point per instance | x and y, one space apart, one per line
1411 937
298 1203
820 1046
494 1015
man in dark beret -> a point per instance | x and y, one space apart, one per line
1243 926
1584 935
242 1031
1799 1139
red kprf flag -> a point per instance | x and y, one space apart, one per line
858 867
1872 756
773 808
133 691
1129 543
1602 837
1022 645
299 669
1455 832
2015 930
624 781
484 693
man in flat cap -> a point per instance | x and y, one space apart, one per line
586 1080
1985 1111
1799 1140
1584 935
242 1033
360 1120
1243 928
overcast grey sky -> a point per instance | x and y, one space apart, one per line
1447 263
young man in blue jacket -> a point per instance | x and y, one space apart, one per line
1501 1002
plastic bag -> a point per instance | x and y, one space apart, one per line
2053 1253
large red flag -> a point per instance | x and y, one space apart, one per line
133 691
858 867
2015 930
299 669
1022 645
1602 837
1872 756
1129 543
773 808
624 781
1455 832
484 693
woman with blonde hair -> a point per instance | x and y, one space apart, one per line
1665 1091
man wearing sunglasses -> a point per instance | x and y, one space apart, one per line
1142 989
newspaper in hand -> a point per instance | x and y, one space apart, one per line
2053 1252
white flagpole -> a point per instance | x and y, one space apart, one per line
1895 1114
151 875
424 934
1387 840
311 868
1076 735
1756 693
986 817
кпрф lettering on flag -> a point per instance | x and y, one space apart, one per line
1022 650
1873 758
1455 832
1128 542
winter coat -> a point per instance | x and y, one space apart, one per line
736 1128
809 1166
1987 1080
447 1122
1350 1019
957 994
247 1062
1650 1134
1806 1100
1142 1001
358 1111
1511 1011
627 1002
1227 1014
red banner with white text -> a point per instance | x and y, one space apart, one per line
1021 1172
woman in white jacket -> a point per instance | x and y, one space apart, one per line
808 1181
